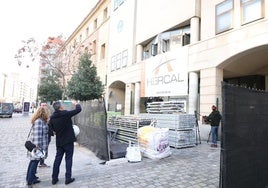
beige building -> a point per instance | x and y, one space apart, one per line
92 35
174 49
15 89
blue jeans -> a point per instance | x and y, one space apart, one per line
32 167
68 150
214 133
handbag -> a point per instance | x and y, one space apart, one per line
28 144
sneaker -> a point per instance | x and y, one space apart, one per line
43 165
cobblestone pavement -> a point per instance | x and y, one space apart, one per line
195 167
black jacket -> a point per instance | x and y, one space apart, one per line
61 123
214 118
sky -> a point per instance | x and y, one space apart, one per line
40 19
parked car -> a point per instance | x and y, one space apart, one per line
17 110
6 109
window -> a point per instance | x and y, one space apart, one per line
154 49
118 3
87 32
105 14
118 61
224 16
124 58
95 23
165 45
146 54
103 51
94 47
186 39
113 63
251 10
74 44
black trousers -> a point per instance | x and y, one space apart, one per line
68 150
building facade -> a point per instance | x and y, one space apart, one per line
16 90
91 36
174 50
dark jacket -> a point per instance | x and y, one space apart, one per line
61 123
214 118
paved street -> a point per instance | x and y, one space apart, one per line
195 167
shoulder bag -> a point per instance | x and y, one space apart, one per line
28 144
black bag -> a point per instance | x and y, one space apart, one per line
29 145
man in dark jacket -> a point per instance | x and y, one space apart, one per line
61 124
214 118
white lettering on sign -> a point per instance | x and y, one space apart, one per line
166 74
165 79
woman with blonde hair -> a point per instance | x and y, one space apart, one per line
50 133
39 137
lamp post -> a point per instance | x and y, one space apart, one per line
4 85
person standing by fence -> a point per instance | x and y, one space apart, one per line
214 119
61 123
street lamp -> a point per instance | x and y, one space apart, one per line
4 86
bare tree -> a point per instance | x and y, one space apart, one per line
28 51
53 55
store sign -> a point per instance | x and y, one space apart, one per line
166 75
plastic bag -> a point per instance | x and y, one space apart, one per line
153 142
133 153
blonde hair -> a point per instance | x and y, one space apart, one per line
41 112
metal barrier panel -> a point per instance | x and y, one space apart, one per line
93 127
244 140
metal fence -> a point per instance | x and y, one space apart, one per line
92 121
244 138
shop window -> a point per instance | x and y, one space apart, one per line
224 16
251 10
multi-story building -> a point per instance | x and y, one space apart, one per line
3 82
92 36
175 49
48 56
14 89
232 48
